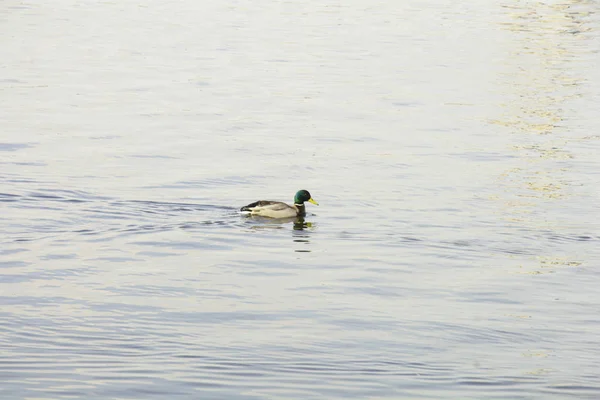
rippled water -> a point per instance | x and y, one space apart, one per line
453 148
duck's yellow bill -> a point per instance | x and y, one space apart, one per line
311 200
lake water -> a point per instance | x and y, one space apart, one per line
453 148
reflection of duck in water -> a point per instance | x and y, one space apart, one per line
300 224
277 209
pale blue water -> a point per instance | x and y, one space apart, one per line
453 149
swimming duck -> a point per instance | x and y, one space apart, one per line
277 209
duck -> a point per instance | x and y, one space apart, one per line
277 209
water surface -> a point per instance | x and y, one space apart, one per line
452 147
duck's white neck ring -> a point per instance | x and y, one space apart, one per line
299 205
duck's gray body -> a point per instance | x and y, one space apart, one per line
274 209
277 209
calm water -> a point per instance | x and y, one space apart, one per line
453 147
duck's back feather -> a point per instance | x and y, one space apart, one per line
260 203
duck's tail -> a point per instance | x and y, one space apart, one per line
250 206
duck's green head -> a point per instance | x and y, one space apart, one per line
302 196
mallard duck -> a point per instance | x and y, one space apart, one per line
277 209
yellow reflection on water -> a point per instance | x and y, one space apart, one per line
539 79
547 264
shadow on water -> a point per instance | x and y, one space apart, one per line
301 234
299 223
301 229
